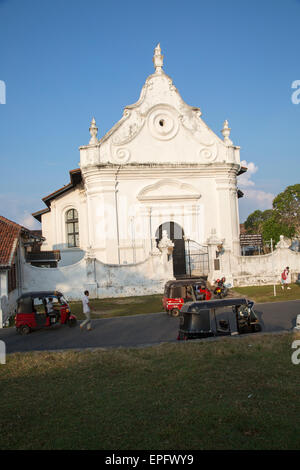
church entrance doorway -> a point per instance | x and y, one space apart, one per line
176 234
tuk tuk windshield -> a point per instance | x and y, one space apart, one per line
25 305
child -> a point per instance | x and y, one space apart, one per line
284 276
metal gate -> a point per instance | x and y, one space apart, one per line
196 256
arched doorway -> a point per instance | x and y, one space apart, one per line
175 233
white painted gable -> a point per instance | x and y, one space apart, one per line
160 128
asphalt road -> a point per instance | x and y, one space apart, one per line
134 331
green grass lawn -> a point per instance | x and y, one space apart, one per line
117 307
262 294
234 393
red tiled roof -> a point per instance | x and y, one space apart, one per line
9 235
242 228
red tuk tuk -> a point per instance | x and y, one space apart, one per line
37 310
178 292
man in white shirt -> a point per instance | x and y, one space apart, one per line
87 311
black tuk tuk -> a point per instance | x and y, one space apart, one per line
217 318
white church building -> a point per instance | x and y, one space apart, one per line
160 172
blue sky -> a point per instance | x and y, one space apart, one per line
65 61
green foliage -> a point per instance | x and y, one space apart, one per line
256 220
286 207
283 219
273 228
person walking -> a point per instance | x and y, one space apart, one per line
87 311
284 278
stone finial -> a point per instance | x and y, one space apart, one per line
283 242
93 131
158 59
226 133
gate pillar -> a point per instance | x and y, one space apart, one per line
214 261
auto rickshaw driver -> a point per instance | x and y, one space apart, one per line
190 296
202 292
51 312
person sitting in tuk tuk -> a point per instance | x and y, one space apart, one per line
200 292
51 312
189 296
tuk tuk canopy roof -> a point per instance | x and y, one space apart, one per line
40 294
218 303
185 282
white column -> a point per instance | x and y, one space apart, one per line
225 219
111 223
90 238
235 223
228 215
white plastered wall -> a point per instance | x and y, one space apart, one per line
54 226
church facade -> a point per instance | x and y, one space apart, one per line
159 171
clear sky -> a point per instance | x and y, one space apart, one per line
65 61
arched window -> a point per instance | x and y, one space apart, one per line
72 228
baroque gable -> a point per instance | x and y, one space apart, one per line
159 128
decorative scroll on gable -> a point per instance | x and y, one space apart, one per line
129 128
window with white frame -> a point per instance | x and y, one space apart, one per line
72 227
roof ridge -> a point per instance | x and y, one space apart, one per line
13 224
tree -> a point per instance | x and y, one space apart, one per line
283 219
255 221
273 228
286 207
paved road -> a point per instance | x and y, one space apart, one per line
137 330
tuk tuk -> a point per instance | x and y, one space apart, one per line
217 318
178 292
37 310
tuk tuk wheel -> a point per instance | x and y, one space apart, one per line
181 336
72 322
256 328
24 330
175 312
